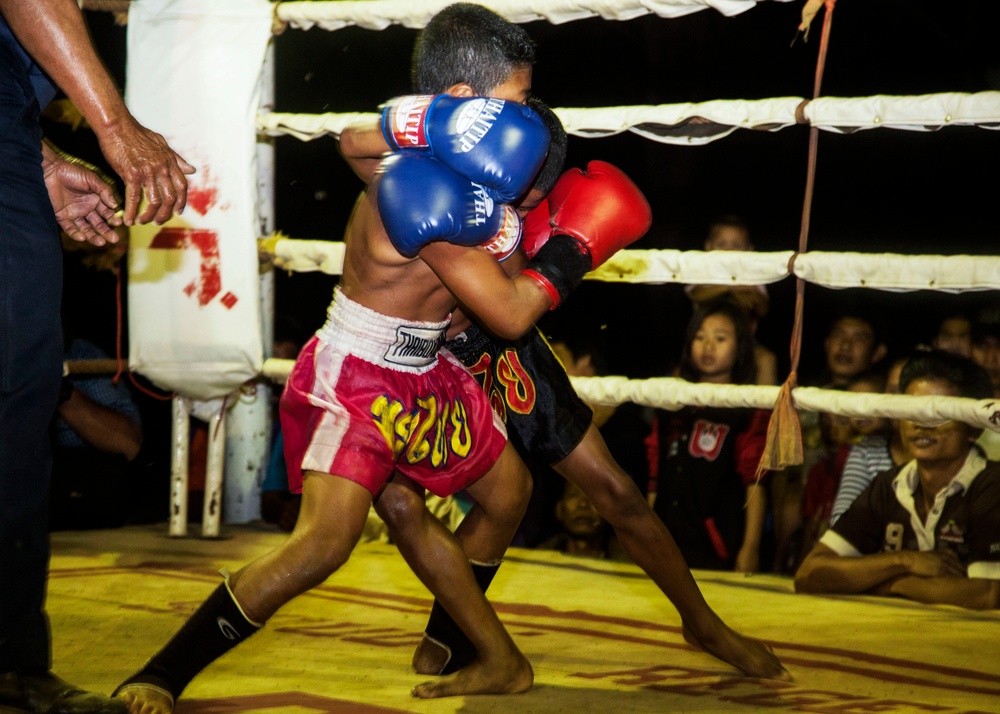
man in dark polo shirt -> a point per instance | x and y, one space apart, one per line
930 529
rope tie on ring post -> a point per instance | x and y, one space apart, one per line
783 446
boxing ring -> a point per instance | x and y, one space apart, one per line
600 636
203 347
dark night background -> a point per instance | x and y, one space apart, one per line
876 190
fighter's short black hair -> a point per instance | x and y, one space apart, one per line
468 43
556 158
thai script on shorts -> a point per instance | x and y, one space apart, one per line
434 432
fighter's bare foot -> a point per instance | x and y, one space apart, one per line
751 657
430 657
500 676
146 698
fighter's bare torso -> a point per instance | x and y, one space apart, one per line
378 277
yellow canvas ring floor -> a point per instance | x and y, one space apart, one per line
600 636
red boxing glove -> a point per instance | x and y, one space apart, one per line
591 216
601 208
537 228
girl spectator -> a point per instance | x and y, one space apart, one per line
703 459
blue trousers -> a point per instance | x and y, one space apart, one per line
30 368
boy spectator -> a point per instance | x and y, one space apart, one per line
731 232
582 530
853 345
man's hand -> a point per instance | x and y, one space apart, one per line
54 33
149 168
933 563
83 202
747 560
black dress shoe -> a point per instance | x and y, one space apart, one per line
44 693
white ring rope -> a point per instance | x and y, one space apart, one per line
881 271
672 394
705 122
951 273
380 14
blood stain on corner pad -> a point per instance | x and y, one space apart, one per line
203 195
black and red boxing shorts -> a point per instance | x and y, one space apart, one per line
529 389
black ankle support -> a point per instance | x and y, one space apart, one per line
214 629
443 629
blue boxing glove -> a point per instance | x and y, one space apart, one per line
496 143
422 201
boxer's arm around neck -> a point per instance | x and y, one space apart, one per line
363 146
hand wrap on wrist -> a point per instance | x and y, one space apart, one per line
559 266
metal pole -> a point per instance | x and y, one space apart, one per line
181 434
212 508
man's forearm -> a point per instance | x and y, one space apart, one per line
973 593
831 573
100 426
55 35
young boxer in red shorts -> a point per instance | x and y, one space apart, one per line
371 393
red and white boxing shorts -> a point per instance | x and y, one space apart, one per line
370 394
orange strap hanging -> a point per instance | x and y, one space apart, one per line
784 432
